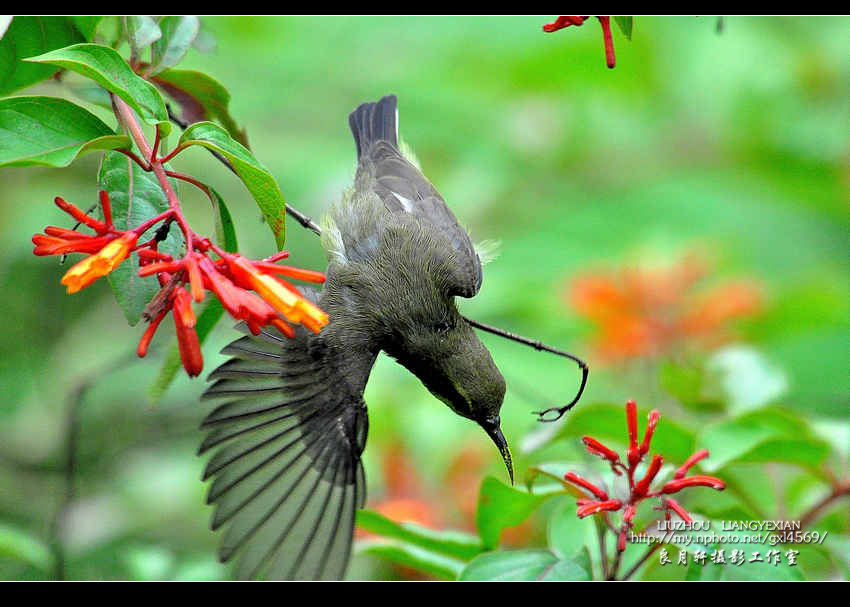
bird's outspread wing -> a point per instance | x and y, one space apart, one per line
403 188
287 471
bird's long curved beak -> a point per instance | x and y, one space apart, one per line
493 428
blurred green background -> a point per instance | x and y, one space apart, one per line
733 144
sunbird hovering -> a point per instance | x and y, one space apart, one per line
289 434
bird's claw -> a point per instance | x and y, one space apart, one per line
552 414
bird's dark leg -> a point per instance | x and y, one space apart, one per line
548 415
553 413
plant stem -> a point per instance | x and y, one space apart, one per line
128 118
132 156
194 182
839 491
612 574
603 550
641 562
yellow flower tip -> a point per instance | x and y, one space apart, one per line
289 304
86 271
275 295
313 317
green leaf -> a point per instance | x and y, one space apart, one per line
178 33
576 568
513 565
106 67
566 531
761 436
201 97
455 544
225 231
689 385
554 471
48 131
92 93
254 175
142 31
87 25
27 36
528 565
21 545
729 440
808 453
501 506
625 24
438 565
135 198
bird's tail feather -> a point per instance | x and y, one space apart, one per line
373 122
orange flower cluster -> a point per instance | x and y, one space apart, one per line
108 248
643 312
641 489
231 278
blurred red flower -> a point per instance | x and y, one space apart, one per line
652 311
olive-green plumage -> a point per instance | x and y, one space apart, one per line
288 475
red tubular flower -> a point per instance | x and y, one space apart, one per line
187 338
683 470
594 507
675 507
85 272
693 481
170 267
291 305
80 216
654 416
629 514
562 22
183 308
585 484
642 487
596 448
633 454
106 205
291 271
605 22
149 255
196 281
65 233
106 250
142 348
50 244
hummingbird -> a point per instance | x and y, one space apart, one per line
289 434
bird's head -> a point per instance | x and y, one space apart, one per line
444 352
